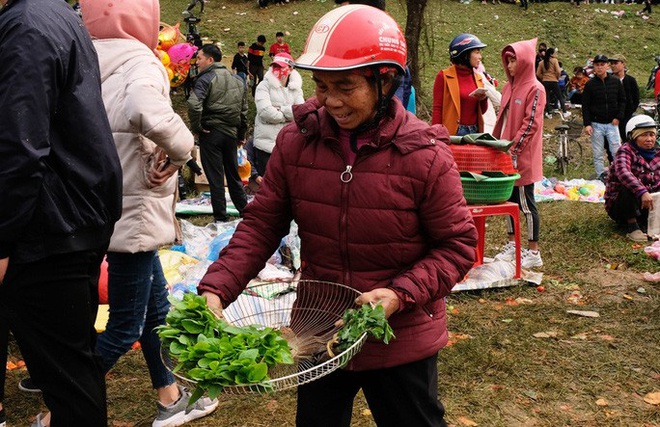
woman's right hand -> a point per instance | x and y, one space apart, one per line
214 304
647 201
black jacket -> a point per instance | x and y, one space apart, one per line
631 90
60 179
603 100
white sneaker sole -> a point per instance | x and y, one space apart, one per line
181 418
532 265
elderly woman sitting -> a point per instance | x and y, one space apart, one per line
634 175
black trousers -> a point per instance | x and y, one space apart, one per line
553 91
524 197
50 306
627 206
257 75
405 395
262 160
220 159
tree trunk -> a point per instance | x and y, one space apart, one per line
414 22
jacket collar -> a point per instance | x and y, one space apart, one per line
405 132
212 67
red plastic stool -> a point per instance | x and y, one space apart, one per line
481 212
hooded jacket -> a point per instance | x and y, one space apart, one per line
400 222
274 103
520 118
144 126
60 178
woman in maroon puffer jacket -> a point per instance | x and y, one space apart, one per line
379 207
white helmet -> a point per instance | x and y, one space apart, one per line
638 122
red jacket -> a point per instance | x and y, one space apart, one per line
401 222
520 118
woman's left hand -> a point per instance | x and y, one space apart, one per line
647 201
383 296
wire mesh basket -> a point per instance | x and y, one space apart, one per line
306 312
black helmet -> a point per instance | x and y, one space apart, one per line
463 43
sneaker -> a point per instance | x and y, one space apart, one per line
637 236
3 418
566 115
508 253
531 259
180 412
548 115
27 385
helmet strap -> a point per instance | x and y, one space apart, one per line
381 105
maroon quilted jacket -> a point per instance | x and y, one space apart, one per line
401 222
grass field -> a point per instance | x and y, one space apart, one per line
518 358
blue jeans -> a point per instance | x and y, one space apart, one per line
466 129
138 303
602 130
243 77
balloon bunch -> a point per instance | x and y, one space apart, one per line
174 56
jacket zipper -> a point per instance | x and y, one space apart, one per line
346 177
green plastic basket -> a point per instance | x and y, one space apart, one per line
488 191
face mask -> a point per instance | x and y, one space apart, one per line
282 74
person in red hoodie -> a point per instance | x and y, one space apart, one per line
378 202
521 120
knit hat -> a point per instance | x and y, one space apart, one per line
137 20
639 131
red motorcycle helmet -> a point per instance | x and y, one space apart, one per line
354 36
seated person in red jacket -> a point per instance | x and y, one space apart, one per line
379 207
634 175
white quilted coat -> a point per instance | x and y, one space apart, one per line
135 90
274 103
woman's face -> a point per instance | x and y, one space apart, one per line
348 97
475 58
646 141
512 65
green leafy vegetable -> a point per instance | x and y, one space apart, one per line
215 354
365 319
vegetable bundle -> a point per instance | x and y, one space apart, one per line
358 321
216 354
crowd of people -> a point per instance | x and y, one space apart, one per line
92 173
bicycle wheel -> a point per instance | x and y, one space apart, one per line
574 152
